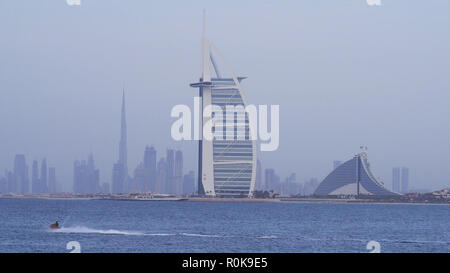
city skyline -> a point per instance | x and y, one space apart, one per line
67 109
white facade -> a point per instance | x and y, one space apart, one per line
227 164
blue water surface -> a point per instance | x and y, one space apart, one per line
164 226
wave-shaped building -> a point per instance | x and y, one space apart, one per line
353 177
227 166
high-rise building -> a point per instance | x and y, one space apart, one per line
86 178
272 181
120 169
123 151
290 185
105 188
150 169
21 182
51 180
178 172
170 179
35 182
94 176
227 164
258 179
3 185
396 179
43 180
79 177
161 180
310 186
189 183
138 183
405 180
11 182
118 179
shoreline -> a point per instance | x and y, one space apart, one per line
235 200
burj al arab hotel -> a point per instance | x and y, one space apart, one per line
226 166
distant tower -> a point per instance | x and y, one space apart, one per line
396 179
178 171
150 169
118 179
21 183
161 181
86 178
11 181
170 180
35 184
272 180
120 169
189 183
123 138
51 180
405 180
93 185
258 179
43 180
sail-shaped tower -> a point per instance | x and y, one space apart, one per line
227 165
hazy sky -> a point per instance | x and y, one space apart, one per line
344 74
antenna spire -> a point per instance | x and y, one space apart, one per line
205 52
204 23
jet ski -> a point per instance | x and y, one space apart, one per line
54 225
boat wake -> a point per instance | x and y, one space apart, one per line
87 230
202 235
81 229
268 237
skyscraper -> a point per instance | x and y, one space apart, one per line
120 169
118 180
310 186
272 181
3 185
178 171
189 183
86 178
138 183
150 169
396 179
93 176
123 153
43 180
258 179
405 180
170 178
35 183
11 182
21 182
105 188
51 180
291 187
161 181
227 165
